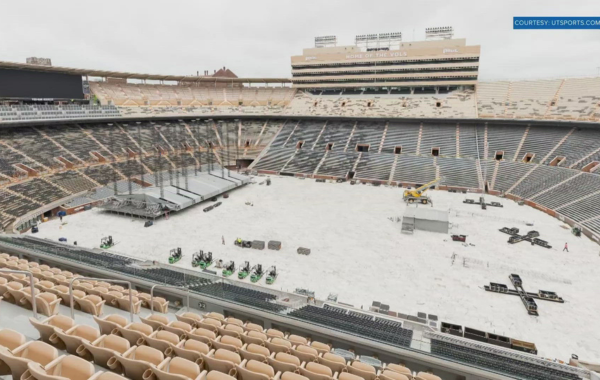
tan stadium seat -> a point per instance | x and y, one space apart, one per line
83 286
297 339
11 286
278 345
274 333
36 272
209 324
255 337
316 371
175 369
49 326
18 293
145 297
221 360
65 295
134 331
234 321
366 371
91 304
44 267
59 290
320 347
189 317
4 256
427 376
392 375
75 336
112 296
255 370
214 315
11 339
45 285
202 335
64 367
333 361
255 352
48 276
98 291
227 342
110 322
179 328
305 353
283 362
101 375
3 264
161 340
161 305
135 361
17 359
12 264
399 369
127 291
104 348
67 281
55 270
59 279
116 288
68 274
253 327
33 264
102 284
22 266
3 285
232 330
22 278
189 349
155 321
134 305
46 303
216 375
23 261
348 376
292 376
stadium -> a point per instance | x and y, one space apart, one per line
366 218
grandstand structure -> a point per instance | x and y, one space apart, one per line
396 117
416 67
47 167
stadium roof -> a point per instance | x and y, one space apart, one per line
120 74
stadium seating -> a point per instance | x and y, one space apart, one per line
79 163
361 324
49 112
122 94
502 364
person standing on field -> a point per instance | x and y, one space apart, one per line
566 248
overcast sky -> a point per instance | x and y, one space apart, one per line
256 38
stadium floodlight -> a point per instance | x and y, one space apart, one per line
378 41
444 33
325 41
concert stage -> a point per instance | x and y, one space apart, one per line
156 201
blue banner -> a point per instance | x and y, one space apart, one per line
556 22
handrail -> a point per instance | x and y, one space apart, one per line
33 301
168 286
100 279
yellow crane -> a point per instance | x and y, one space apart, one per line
418 194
